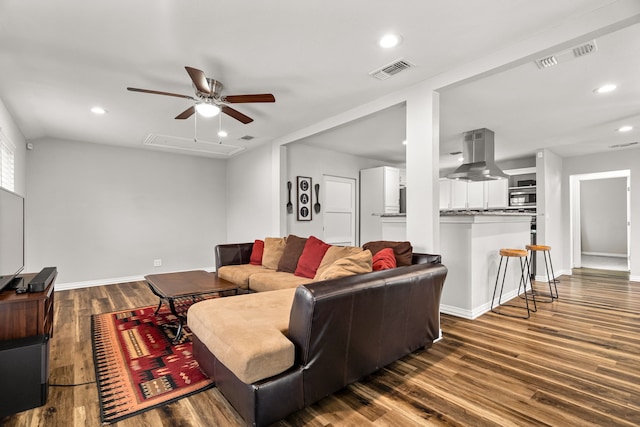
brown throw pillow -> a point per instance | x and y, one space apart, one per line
273 249
292 251
348 266
333 254
402 250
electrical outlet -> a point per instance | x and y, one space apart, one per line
157 262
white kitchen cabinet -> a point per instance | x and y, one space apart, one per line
394 228
475 195
445 193
379 194
467 195
497 193
391 177
457 194
403 177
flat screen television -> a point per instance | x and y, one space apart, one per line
11 236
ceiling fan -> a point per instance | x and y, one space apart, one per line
208 100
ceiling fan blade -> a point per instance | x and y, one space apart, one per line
156 92
199 79
262 97
186 113
236 114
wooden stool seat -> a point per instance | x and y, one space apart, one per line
538 248
519 253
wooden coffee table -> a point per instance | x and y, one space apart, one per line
184 288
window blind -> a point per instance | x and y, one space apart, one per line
7 155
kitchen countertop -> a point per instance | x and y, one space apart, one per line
396 215
486 213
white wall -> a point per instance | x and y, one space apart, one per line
101 213
314 162
249 196
605 162
603 216
9 128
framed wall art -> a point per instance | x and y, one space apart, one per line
304 198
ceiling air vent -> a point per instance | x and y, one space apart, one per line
391 69
585 49
546 62
247 137
567 55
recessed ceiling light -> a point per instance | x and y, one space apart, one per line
461 159
404 142
222 133
606 88
98 110
625 128
389 41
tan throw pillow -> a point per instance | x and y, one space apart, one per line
292 251
273 249
402 250
348 266
333 254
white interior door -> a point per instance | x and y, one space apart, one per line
339 206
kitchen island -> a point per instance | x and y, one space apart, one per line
470 243
394 226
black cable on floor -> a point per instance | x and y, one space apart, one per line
72 385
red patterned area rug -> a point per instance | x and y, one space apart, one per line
138 367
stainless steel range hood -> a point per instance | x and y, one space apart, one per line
478 155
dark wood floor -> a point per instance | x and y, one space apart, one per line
575 362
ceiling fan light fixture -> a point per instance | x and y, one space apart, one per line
207 110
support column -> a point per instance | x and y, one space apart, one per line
423 135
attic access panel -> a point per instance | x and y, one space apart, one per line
176 143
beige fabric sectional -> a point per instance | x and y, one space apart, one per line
338 261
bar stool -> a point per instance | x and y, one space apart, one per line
521 254
546 251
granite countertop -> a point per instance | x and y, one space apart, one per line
486 213
394 215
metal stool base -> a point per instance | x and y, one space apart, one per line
523 282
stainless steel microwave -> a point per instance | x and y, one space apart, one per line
522 198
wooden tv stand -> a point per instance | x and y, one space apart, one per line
28 314
26 325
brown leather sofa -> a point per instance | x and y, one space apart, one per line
342 330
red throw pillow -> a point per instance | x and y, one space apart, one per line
256 252
402 250
311 257
384 259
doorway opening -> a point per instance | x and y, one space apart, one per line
600 224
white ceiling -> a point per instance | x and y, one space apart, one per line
556 108
59 59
